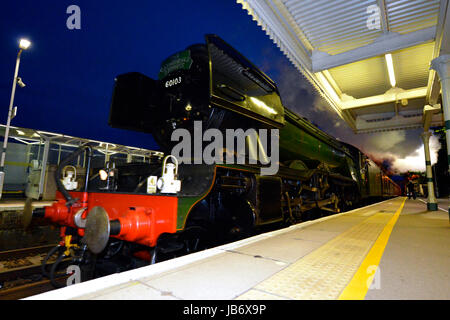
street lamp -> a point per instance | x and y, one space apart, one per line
24 44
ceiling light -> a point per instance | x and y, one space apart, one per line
390 67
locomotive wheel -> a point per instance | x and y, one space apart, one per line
194 238
343 205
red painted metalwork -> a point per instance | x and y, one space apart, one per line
143 218
60 214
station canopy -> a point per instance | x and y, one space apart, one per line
32 136
369 59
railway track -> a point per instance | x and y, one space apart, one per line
20 272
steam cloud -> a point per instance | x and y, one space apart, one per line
398 151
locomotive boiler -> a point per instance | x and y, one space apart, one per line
128 215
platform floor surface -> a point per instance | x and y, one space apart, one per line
19 204
394 249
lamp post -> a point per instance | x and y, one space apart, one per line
24 44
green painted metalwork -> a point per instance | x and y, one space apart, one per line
180 60
300 140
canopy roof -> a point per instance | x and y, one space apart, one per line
344 49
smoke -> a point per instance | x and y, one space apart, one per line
386 141
386 163
415 161
397 151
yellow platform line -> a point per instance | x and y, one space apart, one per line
361 281
325 272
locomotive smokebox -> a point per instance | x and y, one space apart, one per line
211 82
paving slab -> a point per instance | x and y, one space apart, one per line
312 260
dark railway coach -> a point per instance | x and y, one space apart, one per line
128 215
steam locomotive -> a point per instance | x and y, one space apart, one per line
129 215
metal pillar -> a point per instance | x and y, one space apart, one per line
47 142
10 116
106 154
431 202
44 167
442 66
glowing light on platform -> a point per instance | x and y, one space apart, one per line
390 67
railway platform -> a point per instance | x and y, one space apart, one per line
19 204
394 249
12 223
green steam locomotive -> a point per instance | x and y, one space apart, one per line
186 202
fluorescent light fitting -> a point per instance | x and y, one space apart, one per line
328 88
390 67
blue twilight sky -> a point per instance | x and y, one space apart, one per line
70 73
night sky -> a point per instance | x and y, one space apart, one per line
70 73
